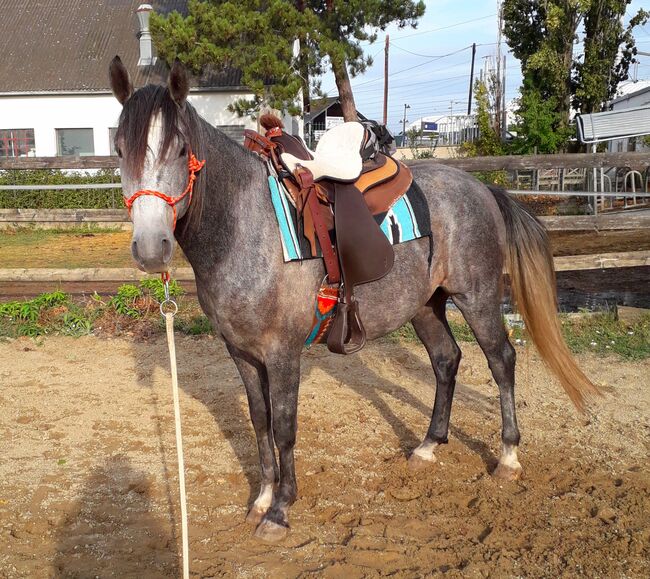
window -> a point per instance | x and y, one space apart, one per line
74 142
16 142
111 140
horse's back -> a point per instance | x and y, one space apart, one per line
466 250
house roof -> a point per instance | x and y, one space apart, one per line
67 45
318 105
631 89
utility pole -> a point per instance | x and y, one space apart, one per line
404 125
451 120
386 82
504 121
499 92
471 81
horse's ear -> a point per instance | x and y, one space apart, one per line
120 81
179 83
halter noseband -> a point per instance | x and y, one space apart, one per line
194 166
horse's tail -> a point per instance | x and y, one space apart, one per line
532 278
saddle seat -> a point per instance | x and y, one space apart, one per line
342 190
337 156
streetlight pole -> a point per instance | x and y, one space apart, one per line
404 121
453 121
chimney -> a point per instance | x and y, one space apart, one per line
146 46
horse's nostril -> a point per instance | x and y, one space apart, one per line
134 250
167 248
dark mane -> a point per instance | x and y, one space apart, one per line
184 124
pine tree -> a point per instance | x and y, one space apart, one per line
257 37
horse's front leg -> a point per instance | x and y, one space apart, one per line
284 379
255 381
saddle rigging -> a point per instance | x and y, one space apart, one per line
338 190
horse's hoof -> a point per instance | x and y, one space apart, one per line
255 516
271 532
416 462
507 473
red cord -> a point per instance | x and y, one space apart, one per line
194 165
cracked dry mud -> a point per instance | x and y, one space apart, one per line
88 471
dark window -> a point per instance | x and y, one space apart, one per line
16 142
74 142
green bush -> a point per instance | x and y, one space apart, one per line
48 313
60 199
125 302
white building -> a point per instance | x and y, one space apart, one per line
55 97
630 95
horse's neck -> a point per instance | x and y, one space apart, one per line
235 184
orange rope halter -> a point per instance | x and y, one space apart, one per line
194 166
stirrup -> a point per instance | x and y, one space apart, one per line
347 334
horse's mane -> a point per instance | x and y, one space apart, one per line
184 124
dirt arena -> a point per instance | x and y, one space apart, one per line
88 484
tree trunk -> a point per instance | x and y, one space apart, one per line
345 91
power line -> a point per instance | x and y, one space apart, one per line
430 81
447 27
412 67
454 25
434 56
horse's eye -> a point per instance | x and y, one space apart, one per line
119 152
183 151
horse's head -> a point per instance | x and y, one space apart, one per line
154 142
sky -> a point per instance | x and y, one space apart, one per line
429 67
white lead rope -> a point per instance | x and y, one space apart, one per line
169 324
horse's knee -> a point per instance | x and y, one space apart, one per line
446 366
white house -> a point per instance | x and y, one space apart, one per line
55 97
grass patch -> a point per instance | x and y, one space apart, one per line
50 313
599 333
604 334
30 236
134 311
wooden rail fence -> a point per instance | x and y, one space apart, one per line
508 163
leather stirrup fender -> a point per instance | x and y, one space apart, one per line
347 334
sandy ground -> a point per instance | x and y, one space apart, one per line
88 483
112 249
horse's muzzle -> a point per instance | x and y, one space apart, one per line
152 252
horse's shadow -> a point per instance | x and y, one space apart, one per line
369 384
114 529
375 388
226 410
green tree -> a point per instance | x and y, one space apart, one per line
488 143
540 128
542 34
257 37
609 50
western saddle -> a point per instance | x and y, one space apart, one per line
342 190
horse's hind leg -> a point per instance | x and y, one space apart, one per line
483 314
257 391
431 327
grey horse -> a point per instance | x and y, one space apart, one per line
262 307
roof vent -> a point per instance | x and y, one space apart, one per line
146 46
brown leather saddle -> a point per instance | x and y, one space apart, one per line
338 207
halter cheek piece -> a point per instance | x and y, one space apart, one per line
194 166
